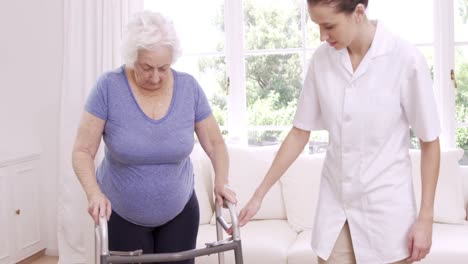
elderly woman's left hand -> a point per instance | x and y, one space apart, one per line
223 191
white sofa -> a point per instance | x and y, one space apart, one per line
280 233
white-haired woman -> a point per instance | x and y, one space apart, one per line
147 113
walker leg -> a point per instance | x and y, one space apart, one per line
219 236
97 248
238 253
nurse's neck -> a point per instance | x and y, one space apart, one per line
362 42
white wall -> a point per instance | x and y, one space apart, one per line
31 54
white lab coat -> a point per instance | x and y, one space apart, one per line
366 177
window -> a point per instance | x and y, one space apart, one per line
461 74
278 40
250 57
250 62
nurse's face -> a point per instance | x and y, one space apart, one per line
336 28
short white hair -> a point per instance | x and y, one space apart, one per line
150 31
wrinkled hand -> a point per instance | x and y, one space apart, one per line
225 192
249 210
99 206
419 240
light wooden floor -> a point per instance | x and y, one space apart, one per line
45 260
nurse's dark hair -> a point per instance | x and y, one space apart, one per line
342 6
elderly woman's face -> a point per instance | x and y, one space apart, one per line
152 68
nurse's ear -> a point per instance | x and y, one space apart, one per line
359 13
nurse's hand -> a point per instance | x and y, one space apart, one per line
99 206
249 210
420 240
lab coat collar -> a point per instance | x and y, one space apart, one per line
382 44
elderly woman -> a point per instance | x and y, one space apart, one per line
147 114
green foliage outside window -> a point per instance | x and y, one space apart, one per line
274 81
462 108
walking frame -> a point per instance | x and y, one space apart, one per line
104 256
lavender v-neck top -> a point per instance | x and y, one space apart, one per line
146 172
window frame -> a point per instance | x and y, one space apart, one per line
237 120
235 56
444 61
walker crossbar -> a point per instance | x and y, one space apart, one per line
104 256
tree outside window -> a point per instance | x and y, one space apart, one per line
279 40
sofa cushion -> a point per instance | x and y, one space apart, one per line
301 250
263 241
449 244
300 185
449 198
247 167
202 171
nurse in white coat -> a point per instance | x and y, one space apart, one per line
367 88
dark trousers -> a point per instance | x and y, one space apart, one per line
179 234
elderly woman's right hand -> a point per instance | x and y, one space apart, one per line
249 210
99 206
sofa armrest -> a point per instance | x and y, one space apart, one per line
464 170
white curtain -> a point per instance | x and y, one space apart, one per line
93 30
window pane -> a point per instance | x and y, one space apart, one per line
461 20
210 72
461 74
272 24
399 17
193 19
273 85
462 142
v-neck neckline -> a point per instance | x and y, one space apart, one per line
132 95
